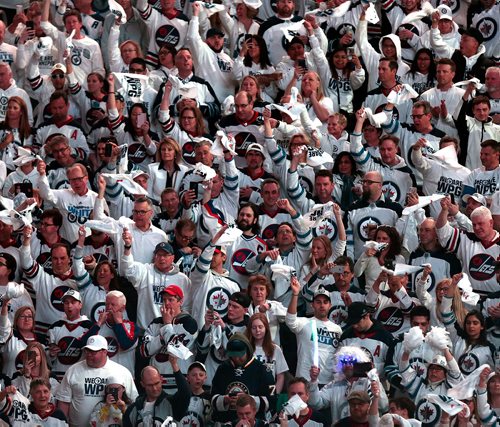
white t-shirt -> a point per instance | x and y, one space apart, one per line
83 387
277 364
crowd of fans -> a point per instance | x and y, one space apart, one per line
246 213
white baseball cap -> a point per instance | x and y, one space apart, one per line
253 4
96 343
445 12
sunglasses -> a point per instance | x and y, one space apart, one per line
58 76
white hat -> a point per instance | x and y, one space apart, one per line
73 294
96 343
116 379
137 173
476 196
256 147
439 360
58 67
253 4
445 12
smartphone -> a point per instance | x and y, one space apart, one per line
359 370
350 52
141 119
413 190
248 37
31 356
114 392
108 150
30 25
194 186
26 188
390 264
302 63
339 269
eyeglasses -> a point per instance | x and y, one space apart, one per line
61 150
369 182
417 116
77 179
136 70
129 50
183 237
188 118
45 224
140 212
57 76
25 317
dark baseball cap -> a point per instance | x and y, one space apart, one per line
214 32
164 246
356 311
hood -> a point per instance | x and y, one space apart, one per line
400 164
241 337
397 42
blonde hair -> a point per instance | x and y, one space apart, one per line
457 306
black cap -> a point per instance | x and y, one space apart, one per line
356 311
241 298
238 346
164 246
474 33
214 32
295 40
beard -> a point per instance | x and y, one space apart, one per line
244 226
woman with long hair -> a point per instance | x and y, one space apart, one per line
422 73
311 95
34 366
259 290
340 74
168 171
270 354
370 263
470 342
15 131
188 131
110 410
347 180
434 303
16 336
254 60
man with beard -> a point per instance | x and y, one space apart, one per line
209 59
366 214
246 246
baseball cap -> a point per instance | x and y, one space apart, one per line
295 40
214 32
356 311
255 147
238 346
321 291
445 12
221 249
359 395
197 365
474 33
116 379
173 290
241 298
164 246
73 294
96 343
476 196
137 173
58 67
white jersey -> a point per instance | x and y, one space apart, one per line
86 54
11 91
149 283
122 342
49 290
211 66
276 364
328 336
83 387
477 261
209 288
